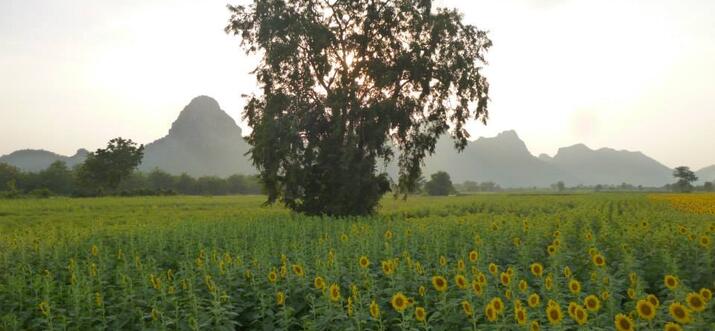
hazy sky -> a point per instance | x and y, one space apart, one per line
637 75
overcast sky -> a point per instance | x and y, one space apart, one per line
627 74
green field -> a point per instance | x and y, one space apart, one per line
183 263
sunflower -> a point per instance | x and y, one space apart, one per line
670 326
537 269
580 315
646 310
422 291
553 313
551 249
704 241
442 261
549 282
505 279
364 262
272 276
460 265
592 303
497 304
334 292
280 298
507 294
439 283
343 237
477 288
388 234
467 308
572 309
298 270
695 301
679 313
633 278
557 234
460 281
534 300
490 313
388 267
574 286
706 293
399 302
350 306
420 314
473 256
319 282
534 326
624 323
671 282
493 269
599 260
521 316
631 293
567 272
374 310
653 300
523 286
482 279
605 295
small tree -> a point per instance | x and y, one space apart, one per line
558 186
57 178
685 179
708 186
439 184
7 173
105 168
160 180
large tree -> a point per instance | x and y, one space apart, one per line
346 82
685 178
439 184
105 168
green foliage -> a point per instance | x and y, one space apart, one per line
439 184
184 263
708 187
105 168
346 82
685 179
7 173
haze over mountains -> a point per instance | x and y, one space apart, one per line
205 141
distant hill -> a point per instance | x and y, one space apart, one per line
503 159
609 166
706 174
203 141
37 159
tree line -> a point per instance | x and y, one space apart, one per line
112 171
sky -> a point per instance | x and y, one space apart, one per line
626 74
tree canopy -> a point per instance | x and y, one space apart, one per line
440 184
349 85
685 178
105 168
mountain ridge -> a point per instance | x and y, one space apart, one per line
205 141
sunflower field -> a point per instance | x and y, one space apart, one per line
482 262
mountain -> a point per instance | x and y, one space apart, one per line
503 159
37 159
706 174
609 166
203 141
